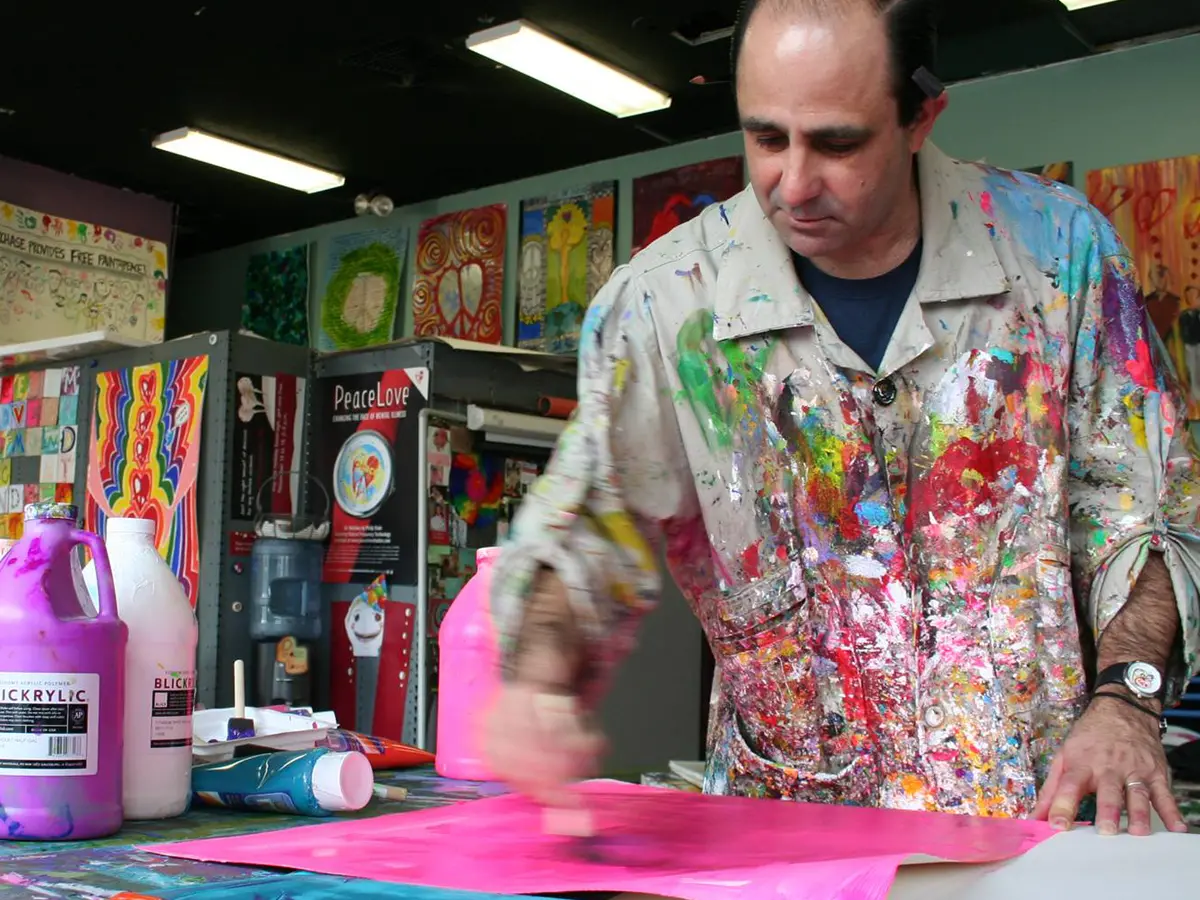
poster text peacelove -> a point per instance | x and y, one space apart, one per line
365 399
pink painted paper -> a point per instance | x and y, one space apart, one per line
650 840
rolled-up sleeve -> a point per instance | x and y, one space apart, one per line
1134 485
618 473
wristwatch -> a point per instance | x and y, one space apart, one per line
1142 679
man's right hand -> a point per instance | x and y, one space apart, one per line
537 738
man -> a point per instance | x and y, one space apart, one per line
906 433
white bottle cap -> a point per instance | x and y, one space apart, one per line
119 525
342 781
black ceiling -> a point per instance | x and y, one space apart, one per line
387 94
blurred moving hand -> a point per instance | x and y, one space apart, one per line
538 738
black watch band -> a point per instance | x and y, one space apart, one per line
1162 723
1141 679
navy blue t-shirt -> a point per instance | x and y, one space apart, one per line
863 311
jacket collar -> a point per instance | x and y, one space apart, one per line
757 290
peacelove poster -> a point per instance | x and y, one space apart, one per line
266 441
366 429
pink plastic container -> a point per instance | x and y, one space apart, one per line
469 676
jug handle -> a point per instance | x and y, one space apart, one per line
104 578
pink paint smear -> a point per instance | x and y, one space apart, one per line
649 840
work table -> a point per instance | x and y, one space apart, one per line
1079 863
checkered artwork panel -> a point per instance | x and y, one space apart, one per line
39 412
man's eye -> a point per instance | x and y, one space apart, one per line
839 148
771 141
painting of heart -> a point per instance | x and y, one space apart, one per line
145 454
458 291
666 199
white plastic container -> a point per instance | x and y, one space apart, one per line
160 671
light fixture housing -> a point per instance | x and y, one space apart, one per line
1073 5
227 154
531 51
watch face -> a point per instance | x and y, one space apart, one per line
1143 679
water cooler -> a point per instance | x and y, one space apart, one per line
285 609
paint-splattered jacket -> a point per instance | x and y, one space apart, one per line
898 572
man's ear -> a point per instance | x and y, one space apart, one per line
922 126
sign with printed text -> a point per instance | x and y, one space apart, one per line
366 433
60 277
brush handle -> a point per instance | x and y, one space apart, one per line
239 689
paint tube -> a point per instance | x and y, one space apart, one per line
382 753
309 782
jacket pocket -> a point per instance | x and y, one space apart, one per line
737 768
784 693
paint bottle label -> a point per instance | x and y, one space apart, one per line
48 723
173 697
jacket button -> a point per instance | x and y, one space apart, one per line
884 392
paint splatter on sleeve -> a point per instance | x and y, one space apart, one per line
618 473
1135 482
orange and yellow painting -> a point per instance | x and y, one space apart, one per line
1156 208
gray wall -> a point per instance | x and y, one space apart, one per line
1126 106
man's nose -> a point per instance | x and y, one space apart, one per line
801 181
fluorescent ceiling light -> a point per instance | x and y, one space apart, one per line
218 151
530 50
1082 4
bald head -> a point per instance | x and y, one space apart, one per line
911 31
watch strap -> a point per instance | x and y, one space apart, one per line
1162 723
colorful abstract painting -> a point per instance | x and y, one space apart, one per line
362 289
666 199
145 454
1062 172
276 304
566 257
459 286
38 417
1156 208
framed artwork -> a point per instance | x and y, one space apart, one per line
459 286
38 430
566 257
276 303
666 199
362 289
145 455
1156 208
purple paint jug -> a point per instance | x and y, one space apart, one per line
468 676
62 685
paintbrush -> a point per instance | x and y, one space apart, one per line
239 726
389 792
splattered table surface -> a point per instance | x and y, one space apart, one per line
108 868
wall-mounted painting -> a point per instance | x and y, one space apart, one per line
459 287
362 289
666 199
566 257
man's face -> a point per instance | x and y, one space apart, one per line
828 158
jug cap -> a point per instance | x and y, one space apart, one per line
128 525
50 509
